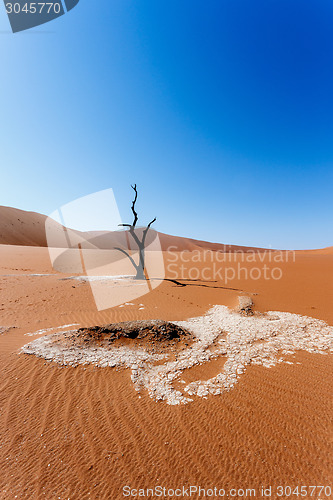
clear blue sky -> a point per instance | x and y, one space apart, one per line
221 111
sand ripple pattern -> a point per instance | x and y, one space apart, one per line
264 339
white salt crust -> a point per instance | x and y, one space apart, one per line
239 340
52 329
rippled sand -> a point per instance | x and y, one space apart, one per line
85 432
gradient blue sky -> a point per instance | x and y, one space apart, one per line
221 111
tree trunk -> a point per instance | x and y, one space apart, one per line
140 275
140 270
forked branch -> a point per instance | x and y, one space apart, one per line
146 230
133 206
127 255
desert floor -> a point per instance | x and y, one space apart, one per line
85 433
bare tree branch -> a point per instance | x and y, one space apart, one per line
146 230
136 239
151 222
127 255
132 232
133 206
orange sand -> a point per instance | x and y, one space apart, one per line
84 432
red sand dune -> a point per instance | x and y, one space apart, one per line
18 227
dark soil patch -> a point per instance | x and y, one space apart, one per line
155 334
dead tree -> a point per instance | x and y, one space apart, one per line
140 267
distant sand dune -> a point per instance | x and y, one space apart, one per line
18 227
